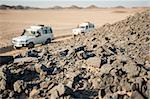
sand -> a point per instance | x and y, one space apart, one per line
12 22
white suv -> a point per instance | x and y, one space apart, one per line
83 28
39 34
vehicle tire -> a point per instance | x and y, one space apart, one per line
30 45
48 41
17 47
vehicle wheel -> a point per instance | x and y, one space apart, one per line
17 47
48 41
31 45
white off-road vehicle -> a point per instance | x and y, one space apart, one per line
83 28
39 34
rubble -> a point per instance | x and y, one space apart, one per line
112 61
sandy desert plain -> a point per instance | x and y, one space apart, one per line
110 62
12 22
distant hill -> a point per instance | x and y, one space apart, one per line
7 7
92 7
119 7
73 7
56 7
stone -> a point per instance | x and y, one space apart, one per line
43 75
131 69
2 73
147 65
57 91
85 54
79 48
25 60
104 60
93 61
32 53
6 60
136 95
63 52
105 69
19 86
40 67
2 84
33 93
11 94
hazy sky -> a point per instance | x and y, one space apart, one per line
100 3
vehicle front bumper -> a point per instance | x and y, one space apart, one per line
18 44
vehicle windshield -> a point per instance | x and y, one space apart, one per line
29 33
82 27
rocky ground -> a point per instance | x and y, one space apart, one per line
112 62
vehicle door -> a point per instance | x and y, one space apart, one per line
47 33
38 37
87 28
91 27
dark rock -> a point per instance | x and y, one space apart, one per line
32 53
104 60
63 52
85 54
6 60
80 48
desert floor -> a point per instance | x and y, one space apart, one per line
12 22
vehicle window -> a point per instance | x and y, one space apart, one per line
29 33
90 26
86 27
93 26
82 27
45 31
38 32
51 30
32 32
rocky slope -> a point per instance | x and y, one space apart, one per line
110 62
